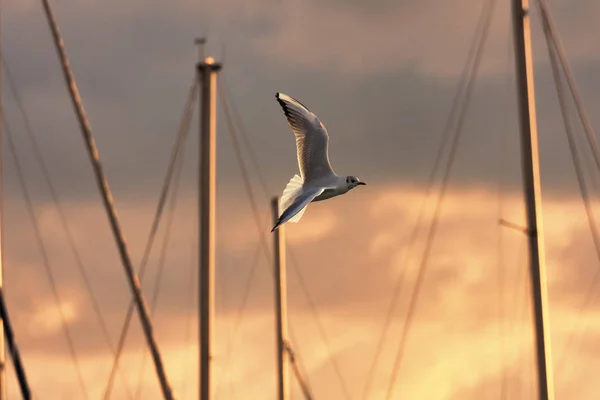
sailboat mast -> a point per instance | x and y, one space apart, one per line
531 182
283 356
2 346
207 76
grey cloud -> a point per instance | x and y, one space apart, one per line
384 126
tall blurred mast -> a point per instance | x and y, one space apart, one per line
531 182
207 77
283 355
2 347
108 201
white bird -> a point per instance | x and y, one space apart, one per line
317 181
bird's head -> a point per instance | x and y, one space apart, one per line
353 181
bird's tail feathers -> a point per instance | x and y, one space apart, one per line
290 193
294 212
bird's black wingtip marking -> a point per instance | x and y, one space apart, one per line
282 102
284 106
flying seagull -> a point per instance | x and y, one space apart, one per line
317 181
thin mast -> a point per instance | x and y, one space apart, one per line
14 351
107 199
531 182
2 345
207 76
283 356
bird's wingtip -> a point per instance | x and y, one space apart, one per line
282 96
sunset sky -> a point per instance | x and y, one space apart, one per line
381 75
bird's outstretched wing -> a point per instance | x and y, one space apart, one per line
298 206
312 139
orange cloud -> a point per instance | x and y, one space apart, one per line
350 266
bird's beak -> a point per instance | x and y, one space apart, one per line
361 183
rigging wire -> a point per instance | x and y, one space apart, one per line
244 171
239 316
300 372
450 121
253 205
254 159
294 264
107 200
305 389
552 31
433 227
500 212
190 291
526 317
248 187
179 140
500 277
552 51
162 260
521 297
246 140
247 184
319 323
60 210
45 257
228 338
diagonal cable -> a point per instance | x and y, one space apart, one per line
433 228
551 44
300 371
551 30
319 323
190 293
45 257
421 213
162 259
303 385
253 158
61 214
239 317
107 199
501 264
250 193
179 141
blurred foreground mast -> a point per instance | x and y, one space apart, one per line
108 201
531 181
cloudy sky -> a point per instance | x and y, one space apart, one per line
381 75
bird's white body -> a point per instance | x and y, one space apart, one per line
317 180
